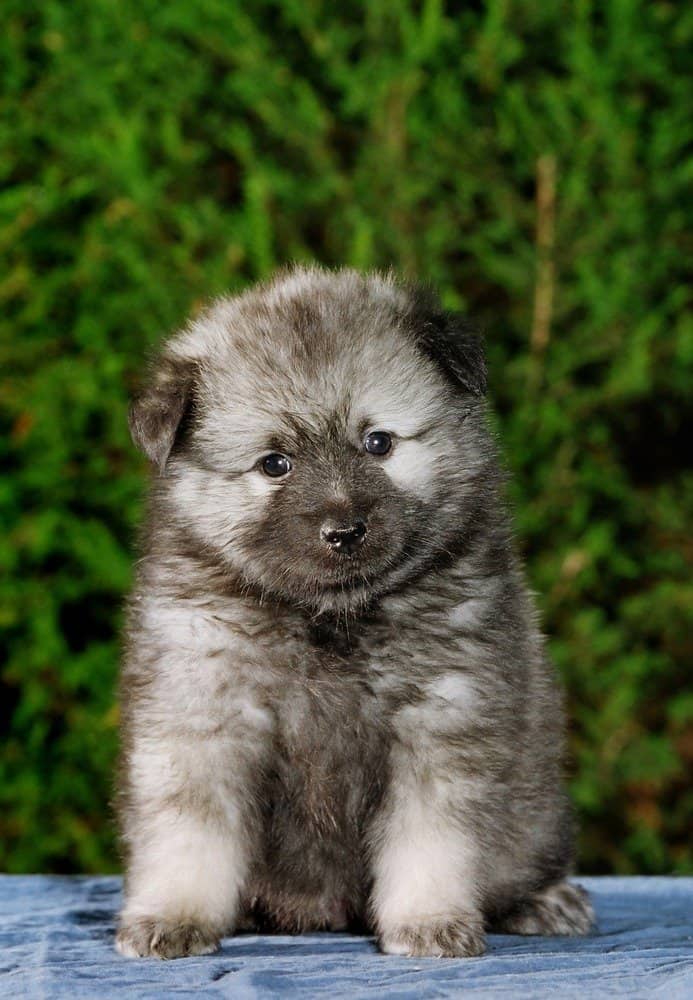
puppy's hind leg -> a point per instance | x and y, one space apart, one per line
561 908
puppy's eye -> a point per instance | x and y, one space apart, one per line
377 443
276 465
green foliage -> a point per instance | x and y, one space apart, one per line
527 157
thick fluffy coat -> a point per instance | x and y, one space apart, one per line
337 710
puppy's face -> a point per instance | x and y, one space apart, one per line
317 436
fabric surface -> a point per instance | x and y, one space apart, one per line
56 940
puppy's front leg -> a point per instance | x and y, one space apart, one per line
188 824
425 863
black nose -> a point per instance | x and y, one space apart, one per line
344 539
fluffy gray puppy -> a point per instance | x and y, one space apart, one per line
336 707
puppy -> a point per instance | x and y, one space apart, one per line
336 706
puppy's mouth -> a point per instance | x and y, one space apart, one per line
329 578
344 572
355 575
344 584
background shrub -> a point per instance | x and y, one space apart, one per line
527 157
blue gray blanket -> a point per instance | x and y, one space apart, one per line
56 940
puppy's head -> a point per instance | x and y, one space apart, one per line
321 436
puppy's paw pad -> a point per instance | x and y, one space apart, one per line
454 938
559 909
156 938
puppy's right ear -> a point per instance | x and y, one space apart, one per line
157 411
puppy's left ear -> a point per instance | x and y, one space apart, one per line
455 345
156 413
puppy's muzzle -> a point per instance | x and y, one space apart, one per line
344 538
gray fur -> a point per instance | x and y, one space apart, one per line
312 738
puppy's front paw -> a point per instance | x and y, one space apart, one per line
144 937
457 937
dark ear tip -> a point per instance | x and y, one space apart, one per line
133 416
474 355
155 413
141 423
134 410
453 342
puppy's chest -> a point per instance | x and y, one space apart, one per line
331 746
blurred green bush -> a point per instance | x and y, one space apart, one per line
527 157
